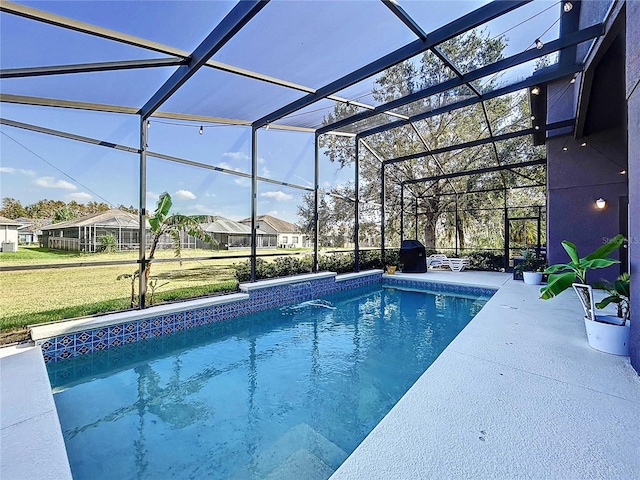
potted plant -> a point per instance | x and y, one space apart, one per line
612 333
532 267
562 276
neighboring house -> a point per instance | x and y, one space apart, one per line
289 235
231 235
8 235
30 229
83 234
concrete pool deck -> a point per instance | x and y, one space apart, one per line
518 394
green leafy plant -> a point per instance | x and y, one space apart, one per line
562 275
530 263
133 277
153 286
161 223
619 294
108 243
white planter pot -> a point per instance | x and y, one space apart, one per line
532 278
608 338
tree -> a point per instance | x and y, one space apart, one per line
12 208
436 200
64 214
307 217
162 224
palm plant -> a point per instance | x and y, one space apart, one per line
577 268
161 223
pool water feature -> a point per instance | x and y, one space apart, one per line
285 393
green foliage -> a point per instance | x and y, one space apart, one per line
531 262
12 208
619 294
133 277
479 216
64 214
161 223
153 286
562 275
485 260
108 243
278 267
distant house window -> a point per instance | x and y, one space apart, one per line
294 239
285 239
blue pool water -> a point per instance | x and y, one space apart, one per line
288 393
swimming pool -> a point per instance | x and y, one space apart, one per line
285 393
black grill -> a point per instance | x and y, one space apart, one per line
413 257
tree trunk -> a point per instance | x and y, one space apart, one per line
430 221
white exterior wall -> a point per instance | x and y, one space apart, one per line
9 233
290 240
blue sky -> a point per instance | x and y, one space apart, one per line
279 42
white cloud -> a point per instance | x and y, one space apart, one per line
228 166
80 196
31 173
265 172
50 182
236 155
184 195
210 195
242 182
278 196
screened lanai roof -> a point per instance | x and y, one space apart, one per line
308 65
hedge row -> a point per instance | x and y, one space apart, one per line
345 262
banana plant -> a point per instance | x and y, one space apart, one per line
619 293
131 276
562 275
161 223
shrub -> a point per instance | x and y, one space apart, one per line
487 261
108 243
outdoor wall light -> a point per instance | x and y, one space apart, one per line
201 131
533 117
539 44
565 148
583 144
601 203
623 172
567 7
537 127
535 91
573 80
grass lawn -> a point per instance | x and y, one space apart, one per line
44 295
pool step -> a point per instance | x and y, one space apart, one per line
302 465
301 451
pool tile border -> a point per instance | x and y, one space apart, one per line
439 287
260 297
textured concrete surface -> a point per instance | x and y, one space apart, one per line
31 443
518 394
465 277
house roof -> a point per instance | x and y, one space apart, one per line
225 225
111 218
8 221
279 225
